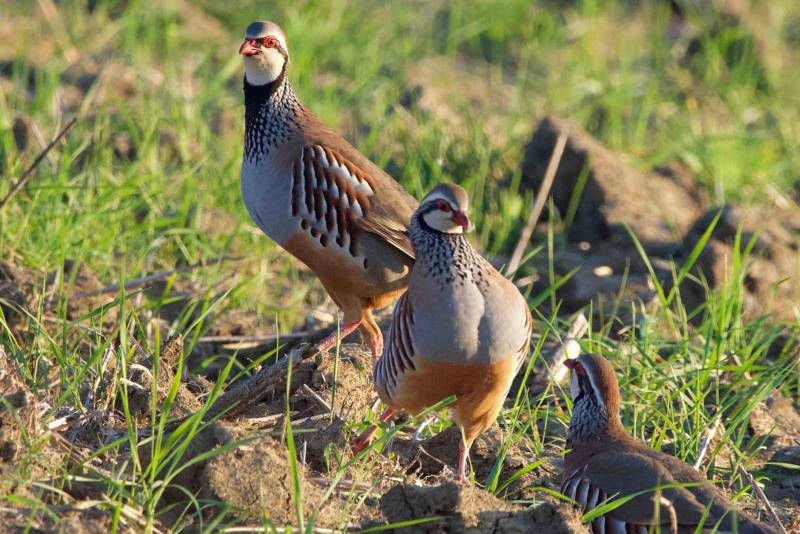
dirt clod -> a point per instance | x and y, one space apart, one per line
777 420
469 509
141 378
348 382
652 204
255 477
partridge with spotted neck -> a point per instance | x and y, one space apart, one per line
461 328
605 463
317 196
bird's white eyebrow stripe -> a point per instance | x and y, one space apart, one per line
437 196
595 391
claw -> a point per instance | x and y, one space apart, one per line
363 440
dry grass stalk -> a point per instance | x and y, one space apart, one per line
29 173
538 205
161 275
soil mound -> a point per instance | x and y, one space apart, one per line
668 214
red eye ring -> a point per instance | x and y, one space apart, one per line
443 205
269 41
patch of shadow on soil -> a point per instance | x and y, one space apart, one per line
16 288
783 486
468 509
436 456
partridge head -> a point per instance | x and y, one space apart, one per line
461 328
318 197
445 210
604 462
265 52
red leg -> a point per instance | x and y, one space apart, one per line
330 341
461 468
365 438
376 347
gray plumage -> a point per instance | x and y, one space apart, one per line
316 196
460 329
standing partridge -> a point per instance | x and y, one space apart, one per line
461 328
605 462
317 196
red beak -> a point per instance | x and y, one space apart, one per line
249 47
570 363
461 219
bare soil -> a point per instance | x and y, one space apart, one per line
410 482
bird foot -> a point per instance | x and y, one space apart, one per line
462 476
376 348
308 350
330 341
363 440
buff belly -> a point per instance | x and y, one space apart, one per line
480 390
344 275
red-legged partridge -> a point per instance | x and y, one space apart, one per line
605 462
461 328
317 196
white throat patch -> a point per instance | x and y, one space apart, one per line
263 68
443 222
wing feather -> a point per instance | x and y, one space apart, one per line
398 353
619 474
336 191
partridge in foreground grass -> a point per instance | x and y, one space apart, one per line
317 196
605 462
461 328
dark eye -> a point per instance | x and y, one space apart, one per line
270 42
443 205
